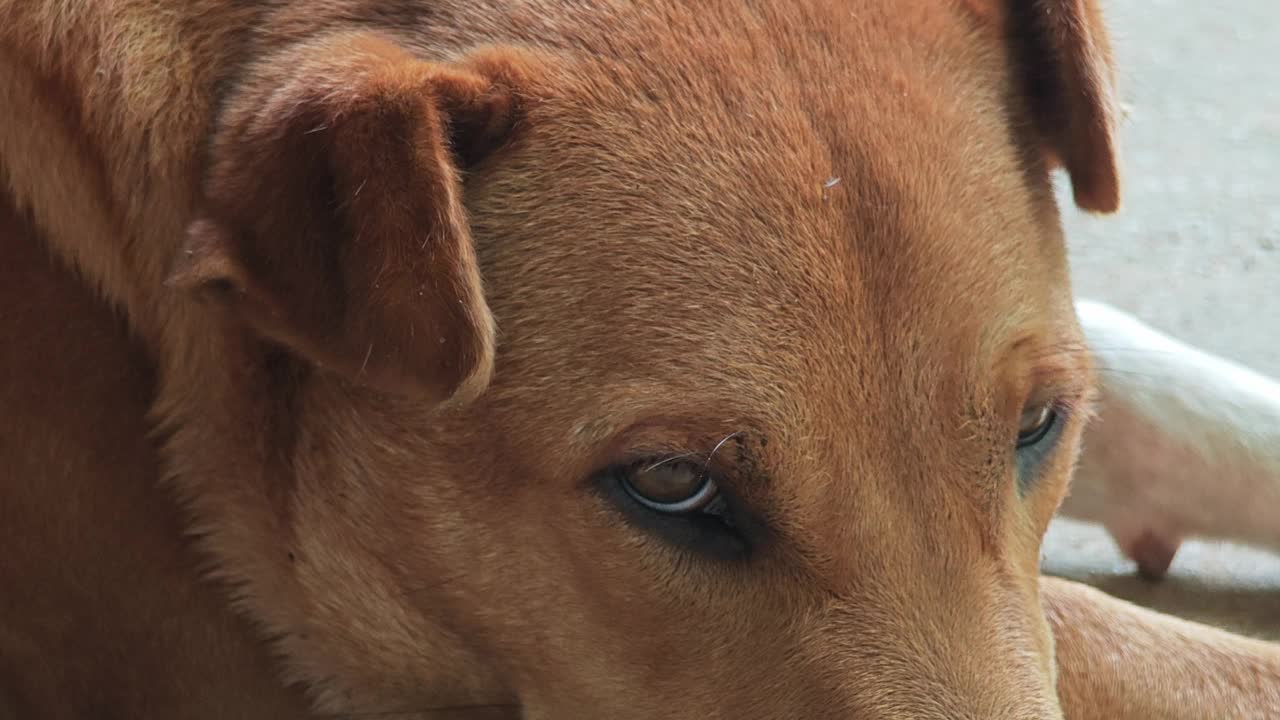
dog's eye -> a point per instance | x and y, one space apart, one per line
1038 431
1036 424
680 501
671 487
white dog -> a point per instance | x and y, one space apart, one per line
1184 444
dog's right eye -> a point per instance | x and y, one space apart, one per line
1037 422
1038 431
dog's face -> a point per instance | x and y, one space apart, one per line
786 388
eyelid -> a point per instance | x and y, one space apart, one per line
720 461
649 463
1055 385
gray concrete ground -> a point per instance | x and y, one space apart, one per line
1195 252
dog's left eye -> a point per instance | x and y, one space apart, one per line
1036 424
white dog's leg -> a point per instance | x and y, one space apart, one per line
1184 444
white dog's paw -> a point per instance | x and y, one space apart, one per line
1181 439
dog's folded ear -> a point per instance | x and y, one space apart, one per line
1063 55
331 220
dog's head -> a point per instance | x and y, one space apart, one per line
785 384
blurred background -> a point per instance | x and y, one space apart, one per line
1194 251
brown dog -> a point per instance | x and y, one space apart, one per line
769 391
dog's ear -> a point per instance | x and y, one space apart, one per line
331 220
1063 54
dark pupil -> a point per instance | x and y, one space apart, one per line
667 484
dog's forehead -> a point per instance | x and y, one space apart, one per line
760 211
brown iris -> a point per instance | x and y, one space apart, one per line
674 486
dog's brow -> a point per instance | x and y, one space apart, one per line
1061 369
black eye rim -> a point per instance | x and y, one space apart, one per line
707 493
1037 435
